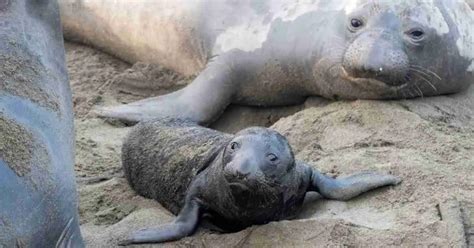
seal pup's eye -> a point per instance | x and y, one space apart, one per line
272 157
356 23
234 146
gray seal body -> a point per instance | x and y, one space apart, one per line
471 3
273 53
38 203
235 180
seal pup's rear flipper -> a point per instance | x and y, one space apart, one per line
351 186
184 225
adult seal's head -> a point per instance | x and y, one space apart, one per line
400 49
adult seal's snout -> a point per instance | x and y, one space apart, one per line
377 55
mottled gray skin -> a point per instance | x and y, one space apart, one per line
235 180
400 49
471 3
38 203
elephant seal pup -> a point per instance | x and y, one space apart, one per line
274 53
38 203
242 180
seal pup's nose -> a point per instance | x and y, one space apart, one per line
244 165
240 174
242 168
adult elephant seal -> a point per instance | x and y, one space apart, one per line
271 53
242 180
38 204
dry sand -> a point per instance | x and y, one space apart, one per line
428 142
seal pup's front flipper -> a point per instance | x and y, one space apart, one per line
202 101
349 187
184 225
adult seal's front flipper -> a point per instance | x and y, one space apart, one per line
38 201
201 102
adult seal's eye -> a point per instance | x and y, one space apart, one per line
234 146
416 34
356 23
272 157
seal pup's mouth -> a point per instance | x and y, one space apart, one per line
235 182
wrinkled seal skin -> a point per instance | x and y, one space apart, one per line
471 3
38 203
273 53
235 180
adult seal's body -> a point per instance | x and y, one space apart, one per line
38 205
270 53
471 3
238 181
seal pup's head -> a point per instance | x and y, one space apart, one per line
257 179
257 157
400 49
